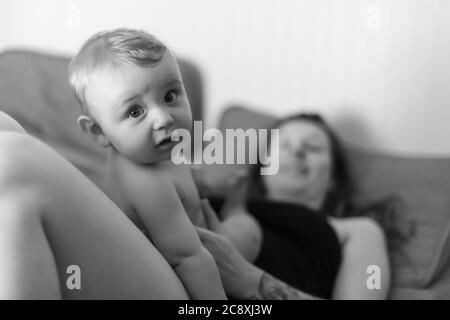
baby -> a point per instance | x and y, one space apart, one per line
133 99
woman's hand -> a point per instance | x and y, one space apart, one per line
239 277
236 194
210 218
241 228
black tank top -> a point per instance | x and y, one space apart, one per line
299 246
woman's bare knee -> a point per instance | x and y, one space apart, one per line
17 159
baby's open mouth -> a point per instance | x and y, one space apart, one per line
164 142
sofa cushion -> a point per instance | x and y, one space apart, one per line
422 185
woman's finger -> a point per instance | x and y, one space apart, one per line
204 234
219 246
236 178
236 195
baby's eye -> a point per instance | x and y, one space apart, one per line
135 112
170 96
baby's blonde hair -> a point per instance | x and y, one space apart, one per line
112 48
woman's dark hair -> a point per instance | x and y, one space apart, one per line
340 199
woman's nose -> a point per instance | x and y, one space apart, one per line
162 119
297 151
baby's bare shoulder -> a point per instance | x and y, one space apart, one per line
151 193
140 182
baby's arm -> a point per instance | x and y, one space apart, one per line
171 231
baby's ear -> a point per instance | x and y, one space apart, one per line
88 125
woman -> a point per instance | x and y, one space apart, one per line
52 217
304 211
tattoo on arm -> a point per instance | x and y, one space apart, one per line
270 288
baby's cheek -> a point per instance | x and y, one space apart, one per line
133 148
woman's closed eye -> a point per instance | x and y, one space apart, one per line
135 112
307 147
314 148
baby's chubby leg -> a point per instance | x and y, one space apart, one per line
53 217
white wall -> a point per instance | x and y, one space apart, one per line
379 69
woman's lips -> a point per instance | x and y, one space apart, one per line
295 169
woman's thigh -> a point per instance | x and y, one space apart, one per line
52 204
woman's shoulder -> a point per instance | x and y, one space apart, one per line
352 227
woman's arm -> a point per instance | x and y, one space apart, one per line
362 242
271 288
363 245
243 280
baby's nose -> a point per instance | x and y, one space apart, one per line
161 119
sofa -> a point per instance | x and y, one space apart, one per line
34 90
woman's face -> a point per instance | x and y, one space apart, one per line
305 164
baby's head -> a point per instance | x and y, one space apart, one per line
131 92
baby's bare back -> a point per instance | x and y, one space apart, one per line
121 172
